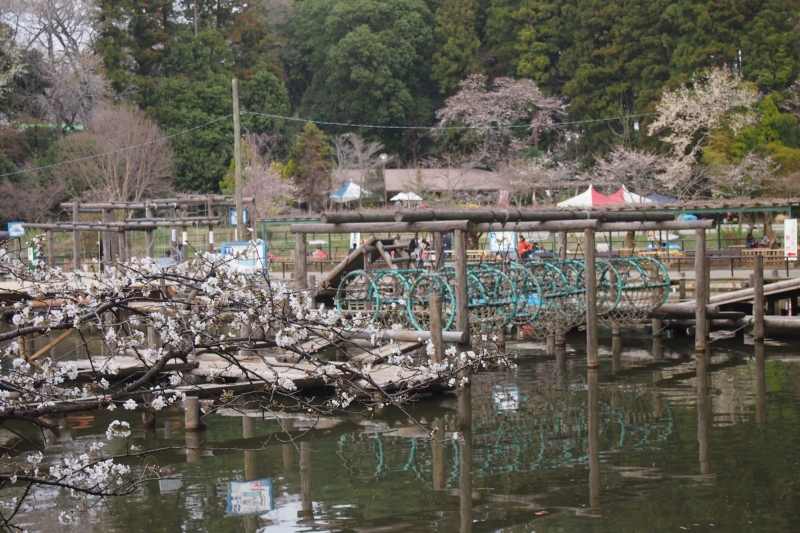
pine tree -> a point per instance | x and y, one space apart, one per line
456 43
308 164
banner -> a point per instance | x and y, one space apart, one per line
790 238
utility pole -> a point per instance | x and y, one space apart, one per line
237 158
195 19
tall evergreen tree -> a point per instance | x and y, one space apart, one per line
365 61
308 164
457 44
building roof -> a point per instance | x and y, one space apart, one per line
436 179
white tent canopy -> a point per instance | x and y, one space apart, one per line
348 193
629 197
588 198
406 197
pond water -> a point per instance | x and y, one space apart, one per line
653 441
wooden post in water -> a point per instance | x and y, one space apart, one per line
462 295
76 238
435 311
192 420
250 457
307 505
701 291
148 419
590 282
501 339
758 299
300 281
682 286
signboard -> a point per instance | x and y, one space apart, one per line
503 200
247 256
232 217
250 497
16 230
355 240
506 397
502 241
790 238
165 262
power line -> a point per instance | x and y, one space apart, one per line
329 123
439 128
119 150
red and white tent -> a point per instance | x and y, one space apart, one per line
627 197
590 198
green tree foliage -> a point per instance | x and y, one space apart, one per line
775 135
525 37
457 44
308 166
365 60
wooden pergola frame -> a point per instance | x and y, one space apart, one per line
460 222
147 224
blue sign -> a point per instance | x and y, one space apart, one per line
232 215
16 229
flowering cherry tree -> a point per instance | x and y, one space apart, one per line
206 308
689 115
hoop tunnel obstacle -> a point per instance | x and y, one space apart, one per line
548 298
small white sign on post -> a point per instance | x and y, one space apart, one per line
355 240
790 238
502 241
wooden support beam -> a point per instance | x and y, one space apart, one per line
149 242
701 291
342 218
435 312
654 226
590 281
557 225
562 245
161 203
76 239
505 216
300 264
383 227
758 299
386 256
143 224
462 295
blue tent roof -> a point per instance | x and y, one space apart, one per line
661 198
349 192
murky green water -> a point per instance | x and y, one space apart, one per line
680 445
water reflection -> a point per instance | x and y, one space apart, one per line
532 449
593 385
465 458
761 384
